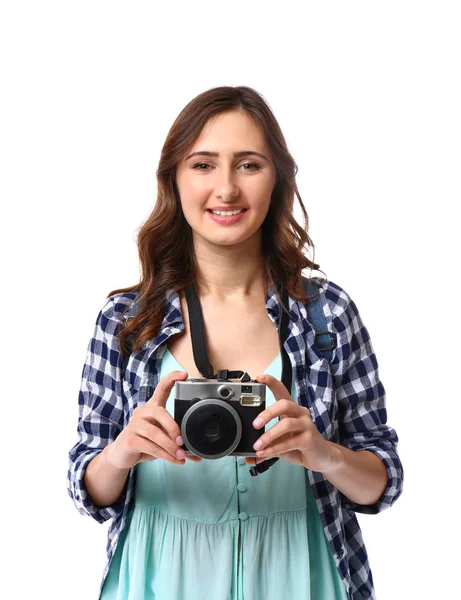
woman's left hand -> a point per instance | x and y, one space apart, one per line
294 438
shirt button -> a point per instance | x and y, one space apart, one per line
242 487
243 516
241 461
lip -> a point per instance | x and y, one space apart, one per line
237 207
229 219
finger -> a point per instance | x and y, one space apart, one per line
153 450
164 387
168 457
285 428
156 435
282 408
160 417
251 461
281 447
193 458
276 387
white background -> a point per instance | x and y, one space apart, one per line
368 97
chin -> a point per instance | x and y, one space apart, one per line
241 240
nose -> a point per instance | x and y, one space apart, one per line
225 188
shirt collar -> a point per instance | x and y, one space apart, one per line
274 307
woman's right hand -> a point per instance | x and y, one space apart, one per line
151 432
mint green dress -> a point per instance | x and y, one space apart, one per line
180 541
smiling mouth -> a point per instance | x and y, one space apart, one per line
226 213
227 217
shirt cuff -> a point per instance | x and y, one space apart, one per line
78 493
394 485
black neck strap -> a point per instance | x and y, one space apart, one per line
197 331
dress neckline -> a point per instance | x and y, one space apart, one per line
183 369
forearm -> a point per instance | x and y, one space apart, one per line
104 482
359 475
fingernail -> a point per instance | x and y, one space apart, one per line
180 454
258 422
179 441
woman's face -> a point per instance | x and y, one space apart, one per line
230 170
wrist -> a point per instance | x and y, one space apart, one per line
336 458
107 455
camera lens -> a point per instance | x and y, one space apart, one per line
211 428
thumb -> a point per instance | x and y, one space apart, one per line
164 387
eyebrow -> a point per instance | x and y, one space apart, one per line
236 154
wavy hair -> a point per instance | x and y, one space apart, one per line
165 243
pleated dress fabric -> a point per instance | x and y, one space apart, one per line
180 541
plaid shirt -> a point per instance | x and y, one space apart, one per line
346 399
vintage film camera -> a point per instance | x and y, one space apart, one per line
216 417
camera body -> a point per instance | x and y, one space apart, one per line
216 417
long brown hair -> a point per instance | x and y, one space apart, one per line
165 245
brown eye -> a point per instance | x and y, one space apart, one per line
255 165
199 165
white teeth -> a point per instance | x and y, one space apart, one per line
227 212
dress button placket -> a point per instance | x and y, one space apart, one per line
241 487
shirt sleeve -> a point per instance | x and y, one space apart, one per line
361 398
100 411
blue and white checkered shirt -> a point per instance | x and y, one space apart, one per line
346 399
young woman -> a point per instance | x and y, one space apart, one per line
186 528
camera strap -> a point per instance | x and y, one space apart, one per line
197 332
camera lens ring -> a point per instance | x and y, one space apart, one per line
213 402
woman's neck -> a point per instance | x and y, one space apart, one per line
229 273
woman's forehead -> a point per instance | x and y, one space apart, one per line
230 132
